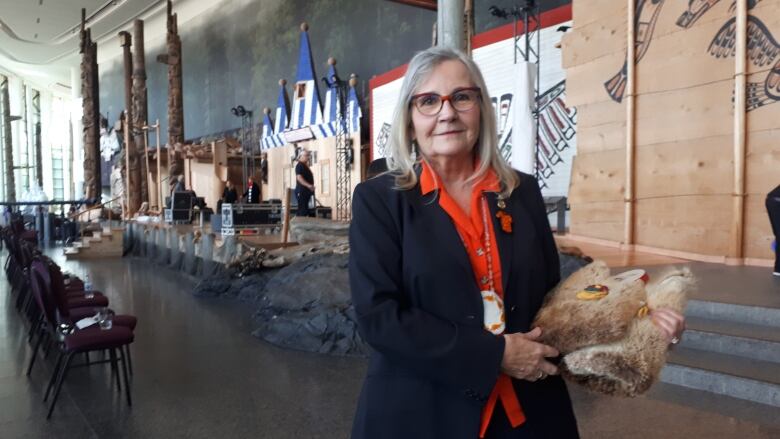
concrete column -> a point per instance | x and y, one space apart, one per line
450 31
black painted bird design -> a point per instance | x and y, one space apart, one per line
696 8
762 51
646 17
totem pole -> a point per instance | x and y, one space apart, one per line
140 108
175 103
133 170
91 112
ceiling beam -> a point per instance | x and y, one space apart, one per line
425 4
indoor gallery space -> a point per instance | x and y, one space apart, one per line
390 219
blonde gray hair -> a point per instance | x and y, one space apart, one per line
401 161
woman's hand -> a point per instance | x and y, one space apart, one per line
671 322
524 357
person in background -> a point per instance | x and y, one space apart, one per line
252 193
773 208
177 185
304 184
229 195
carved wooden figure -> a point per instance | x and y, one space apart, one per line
133 168
140 106
175 102
91 111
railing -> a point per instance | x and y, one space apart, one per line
76 215
41 222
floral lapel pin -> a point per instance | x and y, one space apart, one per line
503 217
506 221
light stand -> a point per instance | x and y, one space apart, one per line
529 50
247 141
344 156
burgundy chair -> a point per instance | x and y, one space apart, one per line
30 236
71 298
70 315
66 314
76 342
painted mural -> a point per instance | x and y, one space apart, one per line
557 122
646 17
763 49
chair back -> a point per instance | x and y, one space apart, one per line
57 288
39 277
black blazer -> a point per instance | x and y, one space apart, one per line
419 307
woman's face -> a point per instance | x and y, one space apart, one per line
449 133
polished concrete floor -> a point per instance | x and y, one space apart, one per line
199 373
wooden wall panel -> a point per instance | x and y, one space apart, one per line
594 40
679 60
693 113
278 166
606 137
698 224
699 166
598 177
758 231
684 130
595 114
585 82
763 158
766 117
588 11
602 220
673 10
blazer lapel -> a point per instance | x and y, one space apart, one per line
441 226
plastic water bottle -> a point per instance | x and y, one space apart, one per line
88 287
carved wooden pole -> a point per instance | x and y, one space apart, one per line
140 107
8 149
38 153
133 170
91 112
736 243
629 196
161 194
175 102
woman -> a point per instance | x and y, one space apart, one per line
229 195
449 227
304 184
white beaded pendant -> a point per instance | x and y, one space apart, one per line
495 321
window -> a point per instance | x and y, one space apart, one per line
300 90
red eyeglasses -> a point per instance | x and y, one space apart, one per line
462 99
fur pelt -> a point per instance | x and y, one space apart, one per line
606 344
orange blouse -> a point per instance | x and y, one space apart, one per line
471 228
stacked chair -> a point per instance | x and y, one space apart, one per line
53 302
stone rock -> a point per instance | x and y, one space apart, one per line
213 286
310 282
306 230
307 306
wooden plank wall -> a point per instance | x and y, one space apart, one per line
684 129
